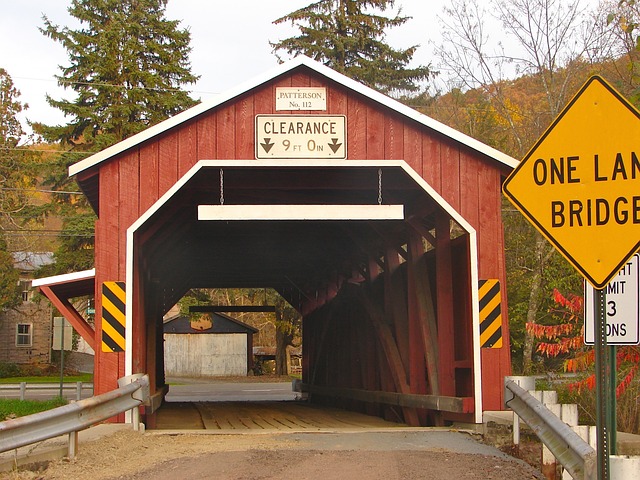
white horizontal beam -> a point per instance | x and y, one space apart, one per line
300 212
64 278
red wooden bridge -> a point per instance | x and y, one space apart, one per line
377 223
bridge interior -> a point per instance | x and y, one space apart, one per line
386 304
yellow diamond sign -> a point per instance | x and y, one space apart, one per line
580 183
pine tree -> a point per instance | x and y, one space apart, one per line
18 166
346 36
12 195
9 277
11 199
127 66
10 107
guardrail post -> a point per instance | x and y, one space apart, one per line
73 444
527 383
78 390
23 390
135 411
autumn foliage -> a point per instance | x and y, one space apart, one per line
566 338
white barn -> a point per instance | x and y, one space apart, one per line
223 349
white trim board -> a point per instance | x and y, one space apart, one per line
300 212
64 278
303 164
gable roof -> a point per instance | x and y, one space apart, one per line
301 60
221 323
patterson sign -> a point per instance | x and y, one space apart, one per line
580 183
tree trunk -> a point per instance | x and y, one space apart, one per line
283 340
534 301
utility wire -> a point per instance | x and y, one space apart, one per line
38 190
26 149
106 84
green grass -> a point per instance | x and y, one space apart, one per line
84 378
20 408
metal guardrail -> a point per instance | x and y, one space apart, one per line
23 387
74 417
575 455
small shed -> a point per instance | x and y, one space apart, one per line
223 346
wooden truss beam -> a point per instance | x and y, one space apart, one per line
69 312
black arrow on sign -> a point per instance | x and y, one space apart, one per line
267 145
335 145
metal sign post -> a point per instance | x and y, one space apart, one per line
61 356
613 416
604 426
62 340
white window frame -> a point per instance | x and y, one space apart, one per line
26 290
28 335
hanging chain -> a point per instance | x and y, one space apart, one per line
379 186
221 187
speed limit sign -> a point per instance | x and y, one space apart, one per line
623 311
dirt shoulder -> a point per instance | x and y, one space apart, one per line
372 455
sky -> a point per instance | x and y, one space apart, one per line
229 40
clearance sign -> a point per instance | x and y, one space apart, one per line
580 183
301 136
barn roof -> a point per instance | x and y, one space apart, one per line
284 68
221 323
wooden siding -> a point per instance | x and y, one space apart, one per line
196 355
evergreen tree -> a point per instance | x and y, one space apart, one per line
10 107
12 198
18 167
347 36
127 66
9 277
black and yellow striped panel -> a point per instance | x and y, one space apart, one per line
113 316
490 314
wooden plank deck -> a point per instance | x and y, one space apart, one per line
281 416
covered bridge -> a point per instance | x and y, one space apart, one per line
376 222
